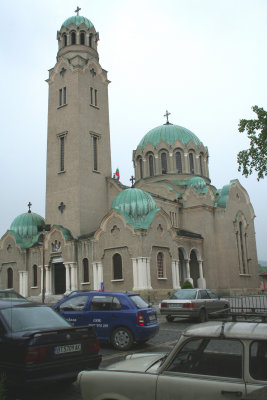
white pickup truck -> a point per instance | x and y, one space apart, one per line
211 361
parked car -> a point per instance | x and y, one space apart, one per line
121 318
212 361
198 304
6 294
38 346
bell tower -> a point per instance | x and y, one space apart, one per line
78 138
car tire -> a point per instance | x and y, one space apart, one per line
202 316
169 318
122 338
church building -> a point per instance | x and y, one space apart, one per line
171 226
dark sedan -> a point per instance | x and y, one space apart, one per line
38 346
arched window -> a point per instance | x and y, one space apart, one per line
191 163
141 167
117 266
73 38
200 164
85 270
164 168
9 278
90 40
151 165
34 275
82 38
160 267
242 247
64 37
178 160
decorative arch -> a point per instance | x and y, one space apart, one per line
193 264
182 257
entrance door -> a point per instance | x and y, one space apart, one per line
60 278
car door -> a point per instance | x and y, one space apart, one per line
73 309
204 369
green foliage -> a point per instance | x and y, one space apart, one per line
256 156
187 285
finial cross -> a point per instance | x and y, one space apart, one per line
29 205
167 116
132 179
77 10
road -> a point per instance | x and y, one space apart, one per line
164 341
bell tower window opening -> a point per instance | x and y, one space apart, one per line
164 168
62 100
242 248
200 164
64 37
95 153
151 165
62 153
178 160
90 40
73 37
117 266
82 38
191 163
93 97
9 278
141 167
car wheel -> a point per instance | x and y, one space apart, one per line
169 318
202 317
122 338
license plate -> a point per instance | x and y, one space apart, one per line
173 305
68 348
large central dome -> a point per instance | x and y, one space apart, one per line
169 133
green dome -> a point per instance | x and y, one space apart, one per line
136 206
169 133
197 183
26 225
78 20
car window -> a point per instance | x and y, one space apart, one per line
203 294
211 294
33 318
74 304
139 301
105 303
184 294
11 295
215 357
258 360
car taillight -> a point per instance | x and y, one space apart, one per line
189 305
163 305
35 355
93 346
140 319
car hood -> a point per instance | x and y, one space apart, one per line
137 362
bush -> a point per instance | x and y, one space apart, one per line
187 285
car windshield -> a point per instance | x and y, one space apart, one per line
33 318
184 294
139 302
11 295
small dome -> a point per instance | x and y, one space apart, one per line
136 206
197 183
78 20
27 225
169 133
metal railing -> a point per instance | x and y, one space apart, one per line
248 306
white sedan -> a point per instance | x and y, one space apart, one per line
211 361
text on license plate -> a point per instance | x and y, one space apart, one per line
68 348
174 305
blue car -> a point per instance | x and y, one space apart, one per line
119 317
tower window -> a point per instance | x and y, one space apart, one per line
62 152
64 37
178 160
73 38
117 266
9 278
141 167
82 38
62 100
90 40
95 153
191 163
151 165
85 270
93 97
200 164
164 168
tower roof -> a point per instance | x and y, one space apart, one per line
78 20
136 206
169 133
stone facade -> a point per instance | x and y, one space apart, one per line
172 226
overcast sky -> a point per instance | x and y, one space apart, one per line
203 61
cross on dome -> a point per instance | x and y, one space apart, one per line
29 205
77 10
167 116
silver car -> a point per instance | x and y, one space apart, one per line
198 304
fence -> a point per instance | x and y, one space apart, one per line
250 306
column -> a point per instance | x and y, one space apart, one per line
201 282
141 273
135 274
156 167
97 274
23 283
41 285
175 275
186 163
73 276
67 267
171 167
188 277
48 280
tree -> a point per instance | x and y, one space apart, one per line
256 156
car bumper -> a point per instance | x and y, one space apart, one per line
182 313
146 332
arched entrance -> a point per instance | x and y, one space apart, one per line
182 265
59 278
194 269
